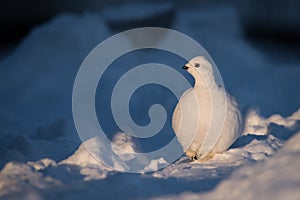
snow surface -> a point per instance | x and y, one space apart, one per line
276 178
41 156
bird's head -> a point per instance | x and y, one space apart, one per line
199 66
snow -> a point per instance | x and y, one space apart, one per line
22 178
41 156
46 63
276 178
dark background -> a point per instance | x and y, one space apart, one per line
268 19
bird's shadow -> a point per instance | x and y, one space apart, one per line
125 185
247 139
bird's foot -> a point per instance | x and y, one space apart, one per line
192 155
209 156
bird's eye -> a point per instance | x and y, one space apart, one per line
197 65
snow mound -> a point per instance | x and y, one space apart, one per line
275 178
118 155
259 125
18 179
37 78
89 166
246 150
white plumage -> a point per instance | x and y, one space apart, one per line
206 119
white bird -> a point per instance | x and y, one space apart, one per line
206 119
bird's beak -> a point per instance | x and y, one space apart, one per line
185 67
